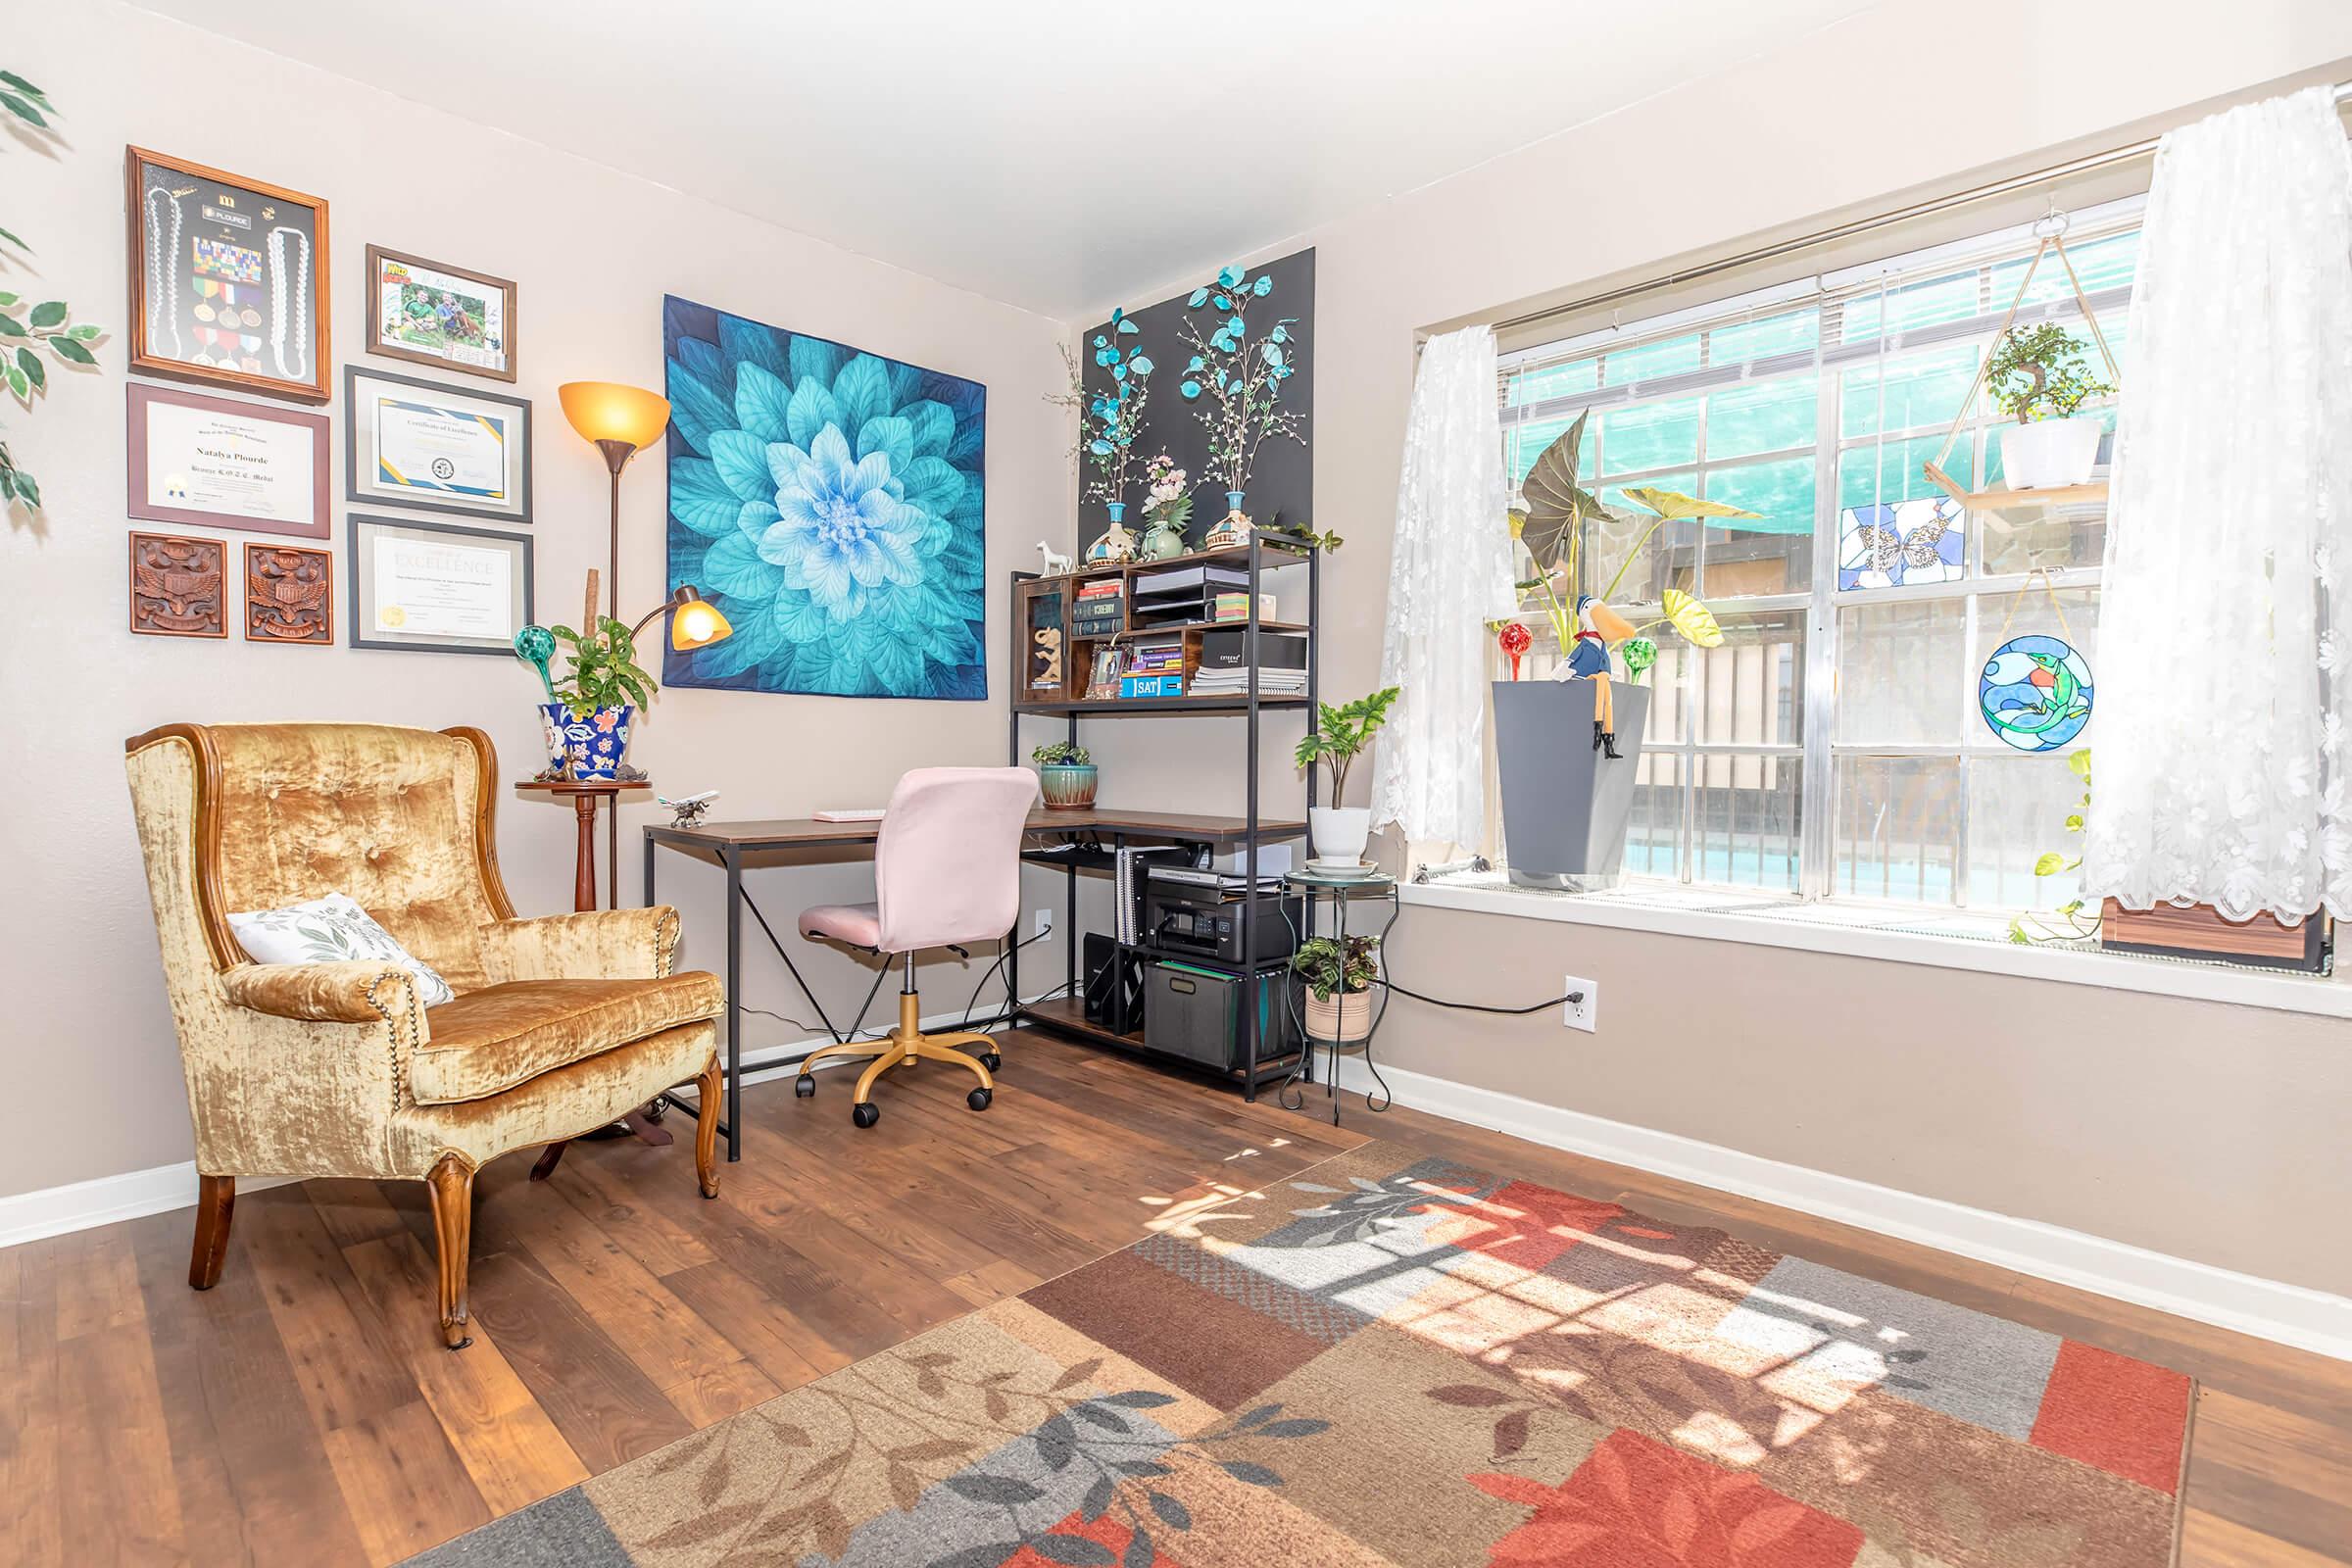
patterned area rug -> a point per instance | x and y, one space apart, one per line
1390 1361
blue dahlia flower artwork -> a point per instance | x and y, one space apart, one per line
831 503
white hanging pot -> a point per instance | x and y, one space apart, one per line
2049 453
1340 832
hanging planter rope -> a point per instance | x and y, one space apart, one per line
2051 232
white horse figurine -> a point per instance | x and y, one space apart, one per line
1055 565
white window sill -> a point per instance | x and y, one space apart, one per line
1871 931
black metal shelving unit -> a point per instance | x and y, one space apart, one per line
1265 551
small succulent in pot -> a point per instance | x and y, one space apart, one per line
1067 775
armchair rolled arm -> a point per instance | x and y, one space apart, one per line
590 945
358 991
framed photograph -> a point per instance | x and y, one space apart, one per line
438 587
1102 680
435 314
227 280
412 443
289 595
202 462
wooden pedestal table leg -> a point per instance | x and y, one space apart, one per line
583 864
545 1165
452 1187
709 1090
215 1198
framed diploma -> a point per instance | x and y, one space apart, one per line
227 280
437 587
435 314
443 448
203 461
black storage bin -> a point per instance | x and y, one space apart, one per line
1196 1013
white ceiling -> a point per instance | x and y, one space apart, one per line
1052 154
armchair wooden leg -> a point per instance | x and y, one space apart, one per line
711 1099
452 1187
545 1165
215 1198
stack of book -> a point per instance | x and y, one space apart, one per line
1235 606
1100 609
1155 669
1225 671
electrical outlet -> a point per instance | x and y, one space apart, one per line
1582 1007
1045 924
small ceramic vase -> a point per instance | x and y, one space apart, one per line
1161 540
1115 545
1232 530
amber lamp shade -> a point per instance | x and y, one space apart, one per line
608 411
698 624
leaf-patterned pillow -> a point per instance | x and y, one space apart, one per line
332 930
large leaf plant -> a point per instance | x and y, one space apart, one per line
30 325
1550 521
603 672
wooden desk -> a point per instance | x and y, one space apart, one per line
728 845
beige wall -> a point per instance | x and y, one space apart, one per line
86 1050
2213 1133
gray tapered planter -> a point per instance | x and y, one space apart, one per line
1564 804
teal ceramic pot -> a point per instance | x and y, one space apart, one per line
1068 787
588 747
1161 540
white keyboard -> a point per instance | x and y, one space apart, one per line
855 813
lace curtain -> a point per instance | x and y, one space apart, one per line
2220 771
1449 575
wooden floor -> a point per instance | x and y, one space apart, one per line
304 1412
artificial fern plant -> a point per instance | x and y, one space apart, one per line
29 325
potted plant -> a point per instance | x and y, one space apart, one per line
1337 831
1332 971
594 699
1166 510
1066 773
1562 745
1241 375
2040 377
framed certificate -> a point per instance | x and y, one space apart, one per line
443 448
437 587
203 461
227 279
435 314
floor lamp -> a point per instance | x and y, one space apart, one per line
623 421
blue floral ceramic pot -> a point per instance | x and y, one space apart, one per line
588 747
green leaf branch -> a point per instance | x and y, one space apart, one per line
604 670
1340 735
2073 921
29 327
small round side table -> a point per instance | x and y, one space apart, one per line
585 794
1340 894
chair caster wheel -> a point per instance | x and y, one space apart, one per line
656 1107
803 1086
992 1061
865 1115
978 1099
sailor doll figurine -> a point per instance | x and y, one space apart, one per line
1599 628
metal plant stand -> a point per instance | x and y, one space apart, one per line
1341 893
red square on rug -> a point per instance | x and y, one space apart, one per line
1635 1503
1526 1225
2125 1417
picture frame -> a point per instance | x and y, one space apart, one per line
1103 680
430 313
444 593
227 279
196 460
436 447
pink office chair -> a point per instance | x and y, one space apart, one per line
947 871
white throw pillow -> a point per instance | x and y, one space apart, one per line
332 930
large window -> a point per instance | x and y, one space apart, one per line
1832 746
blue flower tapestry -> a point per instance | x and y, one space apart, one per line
831 503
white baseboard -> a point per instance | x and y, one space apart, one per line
137 1194
2290 1314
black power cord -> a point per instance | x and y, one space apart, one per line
1479 1007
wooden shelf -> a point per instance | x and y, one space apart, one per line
1284 550
1067 1015
2003 501
1155 628
1140 706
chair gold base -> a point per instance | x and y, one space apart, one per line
905 1046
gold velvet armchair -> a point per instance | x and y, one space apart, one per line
559 1026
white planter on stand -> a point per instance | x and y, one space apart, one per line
2049 453
1340 832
